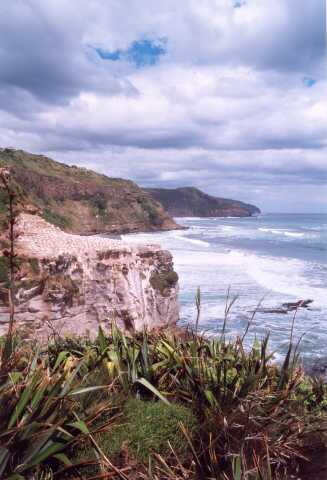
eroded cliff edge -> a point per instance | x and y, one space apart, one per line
71 284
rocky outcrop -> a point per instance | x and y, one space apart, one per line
82 201
72 284
191 202
287 307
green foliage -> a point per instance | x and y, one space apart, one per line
67 403
144 428
100 203
36 416
3 202
63 285
312 394
151 210
4 270
149 427
56 219
34 263
163 281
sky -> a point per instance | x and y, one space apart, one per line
229 96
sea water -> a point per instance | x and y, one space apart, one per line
268 260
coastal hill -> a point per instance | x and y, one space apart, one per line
82 201
192 202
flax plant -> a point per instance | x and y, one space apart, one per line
252 415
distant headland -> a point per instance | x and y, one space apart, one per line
192 202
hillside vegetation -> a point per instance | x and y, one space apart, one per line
80 200
192 202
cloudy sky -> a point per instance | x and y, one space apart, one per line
226 95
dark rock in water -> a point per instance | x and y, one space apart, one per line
295 305
287 307
273 310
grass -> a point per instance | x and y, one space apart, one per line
144 428
151 425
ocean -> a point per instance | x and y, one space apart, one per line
272 259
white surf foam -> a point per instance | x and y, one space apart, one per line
293 234
190 219
286 233
192 240
280 231
285 276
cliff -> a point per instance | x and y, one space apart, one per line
191 202
72 284
82 201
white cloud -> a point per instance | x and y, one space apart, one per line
226 108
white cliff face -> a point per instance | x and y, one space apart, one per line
84 282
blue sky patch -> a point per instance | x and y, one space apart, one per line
309 82
239 3
141 52
106 55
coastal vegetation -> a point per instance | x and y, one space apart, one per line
160 405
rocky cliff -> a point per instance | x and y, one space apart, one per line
72 284
82 201
191 202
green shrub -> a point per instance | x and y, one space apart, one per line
151 210
163 281
62 284
3 202
4 270
100 204
56 219
37 414
34 263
